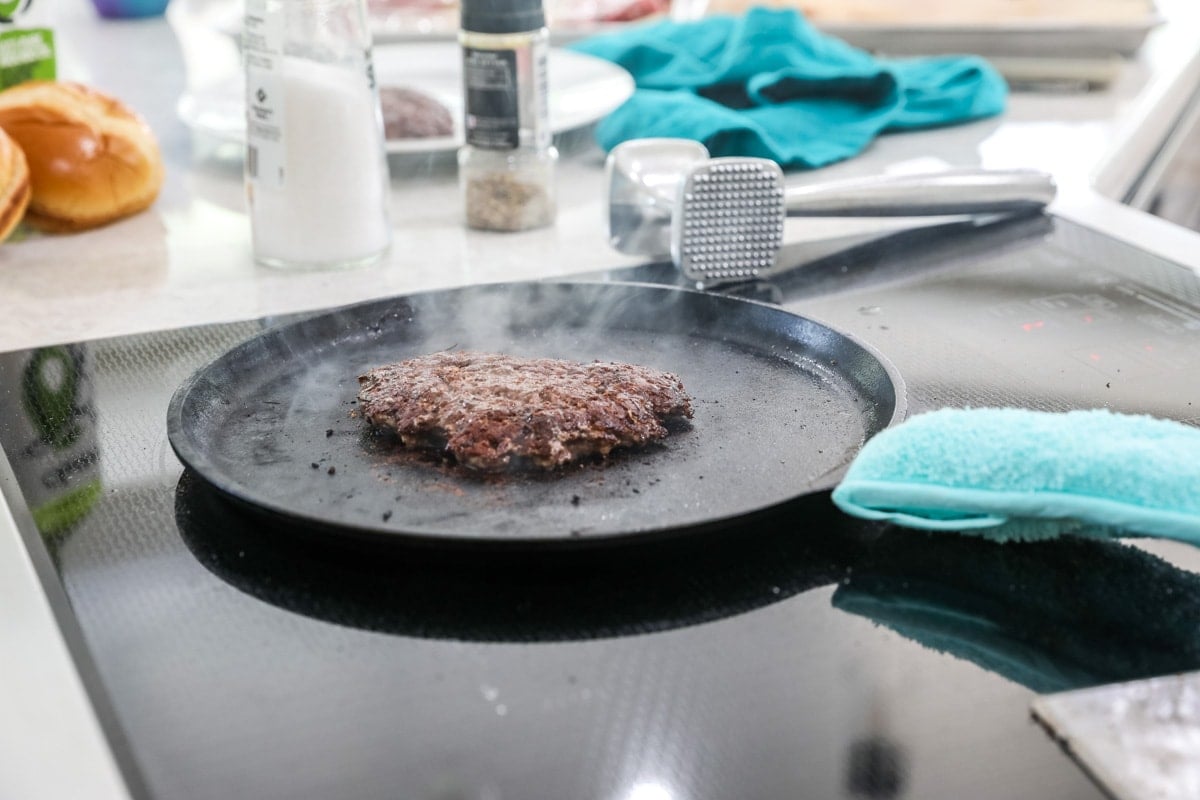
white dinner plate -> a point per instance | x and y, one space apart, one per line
583 89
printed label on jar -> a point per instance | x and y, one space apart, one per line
262 44
492 102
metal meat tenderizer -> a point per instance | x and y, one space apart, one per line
728 222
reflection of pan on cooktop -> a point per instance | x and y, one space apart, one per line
782 404
546 596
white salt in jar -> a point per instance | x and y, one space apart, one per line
316 168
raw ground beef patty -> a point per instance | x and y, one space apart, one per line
412 114
494 412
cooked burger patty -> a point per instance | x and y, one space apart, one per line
494 412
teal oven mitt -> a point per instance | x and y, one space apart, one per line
1008 473
769 84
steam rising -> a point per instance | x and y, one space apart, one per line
781 405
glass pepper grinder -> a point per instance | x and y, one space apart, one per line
506 166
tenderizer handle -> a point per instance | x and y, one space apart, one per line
969 191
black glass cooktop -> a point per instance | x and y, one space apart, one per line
800 655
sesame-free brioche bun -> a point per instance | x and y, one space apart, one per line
14 185
91 159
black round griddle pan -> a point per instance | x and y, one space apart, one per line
782 404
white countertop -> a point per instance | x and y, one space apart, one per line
188 260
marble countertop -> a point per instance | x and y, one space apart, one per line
188 260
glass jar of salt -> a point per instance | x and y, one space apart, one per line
506 166
316 169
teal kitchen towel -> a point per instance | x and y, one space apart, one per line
1009 473
769 84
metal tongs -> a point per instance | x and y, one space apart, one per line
721 220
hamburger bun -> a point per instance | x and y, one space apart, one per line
14 185
91 159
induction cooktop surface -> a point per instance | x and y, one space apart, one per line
800 654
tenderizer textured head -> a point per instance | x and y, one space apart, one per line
729 224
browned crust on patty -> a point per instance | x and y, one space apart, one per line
493 412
